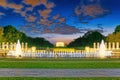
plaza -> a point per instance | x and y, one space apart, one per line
112 48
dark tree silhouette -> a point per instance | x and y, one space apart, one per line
87 40
11 34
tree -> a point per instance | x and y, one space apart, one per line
117 29
1 34
87 40
11 34
115 37
110 38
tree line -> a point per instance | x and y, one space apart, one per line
95 36
11 34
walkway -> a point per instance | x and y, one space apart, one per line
60 72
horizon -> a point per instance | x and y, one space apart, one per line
67 43
60 20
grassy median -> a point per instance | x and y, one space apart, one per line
59 63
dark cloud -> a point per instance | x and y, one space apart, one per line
100 26
99 29
61 29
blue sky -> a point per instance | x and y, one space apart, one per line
60 20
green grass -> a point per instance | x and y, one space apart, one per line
38 78
59 63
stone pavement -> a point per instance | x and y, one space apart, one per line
59 72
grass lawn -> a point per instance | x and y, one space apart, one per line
37 78
59 63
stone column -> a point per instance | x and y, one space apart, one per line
22 46
117 45
106 45
3 45
7 47
94 46
98 46
11 46
113 45
87 49
109 46
14 46
26 46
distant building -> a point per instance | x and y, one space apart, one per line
60 44
63 50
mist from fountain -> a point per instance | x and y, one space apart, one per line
101 53
102 50
18 51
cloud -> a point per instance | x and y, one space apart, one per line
15 6
45 22
66 29
34 2
62 19
31 18
6 4
22 9
40 21
23 13
39 2
55 17
60 28
50 5
10 5
94 11
77 11
91 10
3 3
45 13
2 14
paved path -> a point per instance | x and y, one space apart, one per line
60 72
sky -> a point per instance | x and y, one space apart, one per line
60 20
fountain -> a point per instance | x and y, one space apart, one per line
102 50
101 53
18 51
